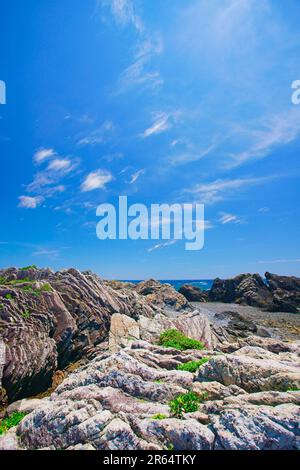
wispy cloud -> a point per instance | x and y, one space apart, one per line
159 246
139 72
189 157
96 180
43 154
161 123
230 219
123 12
136 176
215 191
28 202
98 136
47 253
273 132
60 164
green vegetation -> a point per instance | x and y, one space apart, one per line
11 421
184 403
20 281
293 389
175 339
26 314
193 366
26 268
158 381
8 296
46 288
2 280
159 416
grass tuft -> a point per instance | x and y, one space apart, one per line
159 416
175 339
193 366
11 421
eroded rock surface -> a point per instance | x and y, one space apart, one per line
114 403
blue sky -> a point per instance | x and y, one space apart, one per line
162 101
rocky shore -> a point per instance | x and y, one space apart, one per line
274 294
84 365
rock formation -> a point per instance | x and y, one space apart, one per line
94 346
193 293
278 294
120 401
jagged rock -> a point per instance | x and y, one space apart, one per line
246 289
162 295
271 398
269 344
193 324
123 330
193 293
113 403
286 292
280 294
182 435
53 319
216 390
25 406
253 369
10 441
257 428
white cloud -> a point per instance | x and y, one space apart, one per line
188 157
162 122
124 13
96 180
162 245
98 136
136 176
229 219
43 154
273 132
29 202
264 210
59 164
139 73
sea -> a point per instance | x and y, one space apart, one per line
203 284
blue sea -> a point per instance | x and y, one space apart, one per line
203 284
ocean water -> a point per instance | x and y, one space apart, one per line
203 284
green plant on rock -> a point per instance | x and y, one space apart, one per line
11 421
193 366
46 288
3 280
26 268
8 296
26 314
159 416
175 339
184 403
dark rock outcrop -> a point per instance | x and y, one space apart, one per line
193 293
279 294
